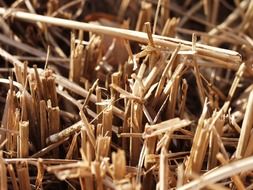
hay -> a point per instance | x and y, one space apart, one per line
126 94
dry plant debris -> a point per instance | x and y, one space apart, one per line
126 95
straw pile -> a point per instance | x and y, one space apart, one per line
126 94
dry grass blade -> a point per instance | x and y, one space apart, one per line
119 165
246 128
23 176
235 178
220 173
169 125
13 176
23 139
3 176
